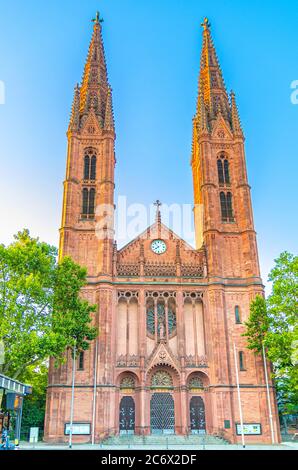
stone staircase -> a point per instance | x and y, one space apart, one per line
164 440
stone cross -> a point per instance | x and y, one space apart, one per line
97 18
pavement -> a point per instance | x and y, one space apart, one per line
98 447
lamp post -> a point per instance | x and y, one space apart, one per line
268 395
72 396
239 396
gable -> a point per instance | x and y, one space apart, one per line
178 259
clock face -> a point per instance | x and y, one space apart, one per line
158 247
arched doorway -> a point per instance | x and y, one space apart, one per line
197 416
162 407
127 415
162 414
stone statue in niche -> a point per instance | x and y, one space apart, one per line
161 331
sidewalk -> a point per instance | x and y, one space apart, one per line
98 447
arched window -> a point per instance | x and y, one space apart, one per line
241 360
226 206
226 171
223 206
93 168
91 201
85 201
86 167
223 171
90 165
237 314
196 382
220 172
81 360
161 378
127 382
230 207
88 203
150 318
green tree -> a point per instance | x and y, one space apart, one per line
41 310
274 323
258 324
35 404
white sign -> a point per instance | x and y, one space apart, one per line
249 429
78 429
33 435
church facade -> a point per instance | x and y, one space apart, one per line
171 317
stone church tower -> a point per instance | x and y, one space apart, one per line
169 315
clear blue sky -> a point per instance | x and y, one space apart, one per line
153 49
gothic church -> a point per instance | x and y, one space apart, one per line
169 315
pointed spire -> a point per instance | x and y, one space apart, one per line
236 123
109 116
211 84
74 123
95 85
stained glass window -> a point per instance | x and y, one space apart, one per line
161 378
127 382
196 382
171 320
161 318
151 320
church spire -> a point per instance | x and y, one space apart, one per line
211 83
94 90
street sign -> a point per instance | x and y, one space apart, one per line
33 435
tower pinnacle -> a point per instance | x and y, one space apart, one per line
94 90
211 84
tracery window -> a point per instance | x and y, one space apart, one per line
162 378
88 203
161 317
226 205
196 382
90 165
223 170
127 382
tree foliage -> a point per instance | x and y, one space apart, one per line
41 310
274 323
